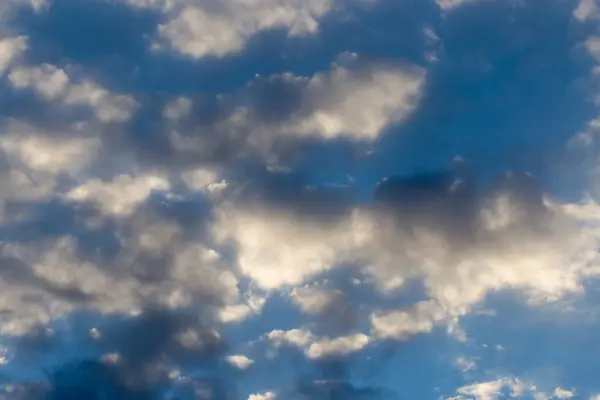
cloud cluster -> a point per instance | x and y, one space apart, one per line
511 387
271 116
206 28
53 84
190 244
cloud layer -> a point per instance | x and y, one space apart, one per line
265 199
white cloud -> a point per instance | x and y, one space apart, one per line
59 279
312 301
402 324
587 9
121 195
508 387
58 265
36 158
53 84
39 5
239 361
178 108
46 153
277 249
493 390
354 104
199 30
239 309
449 5
56 278
560 393
317 347
10 49
199 178
504 245
47 80
592 45
262 396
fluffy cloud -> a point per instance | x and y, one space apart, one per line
239 361
10 49
313 301
53 84
51 279
272 114
585 10
507 387
263 396
356 104
459 241
178 108
318 347
266 253
560 393
450 4
200 30
403 324
26 146
148 245
34 159
202 179
120 196
493 390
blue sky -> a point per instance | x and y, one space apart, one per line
299 199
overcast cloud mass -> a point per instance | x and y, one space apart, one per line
299 199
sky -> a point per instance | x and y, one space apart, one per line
299 199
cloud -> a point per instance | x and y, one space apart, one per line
34 159
54 84
270 117
560 393
178 108
200 30
239 361
492 390
10 49
446 232
507 387
355 104
330 305
26 146
154 266
449 5
458 240
185 237
263 396
317 347
119 196
585 10
421 318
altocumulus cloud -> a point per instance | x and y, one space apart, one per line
383 211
